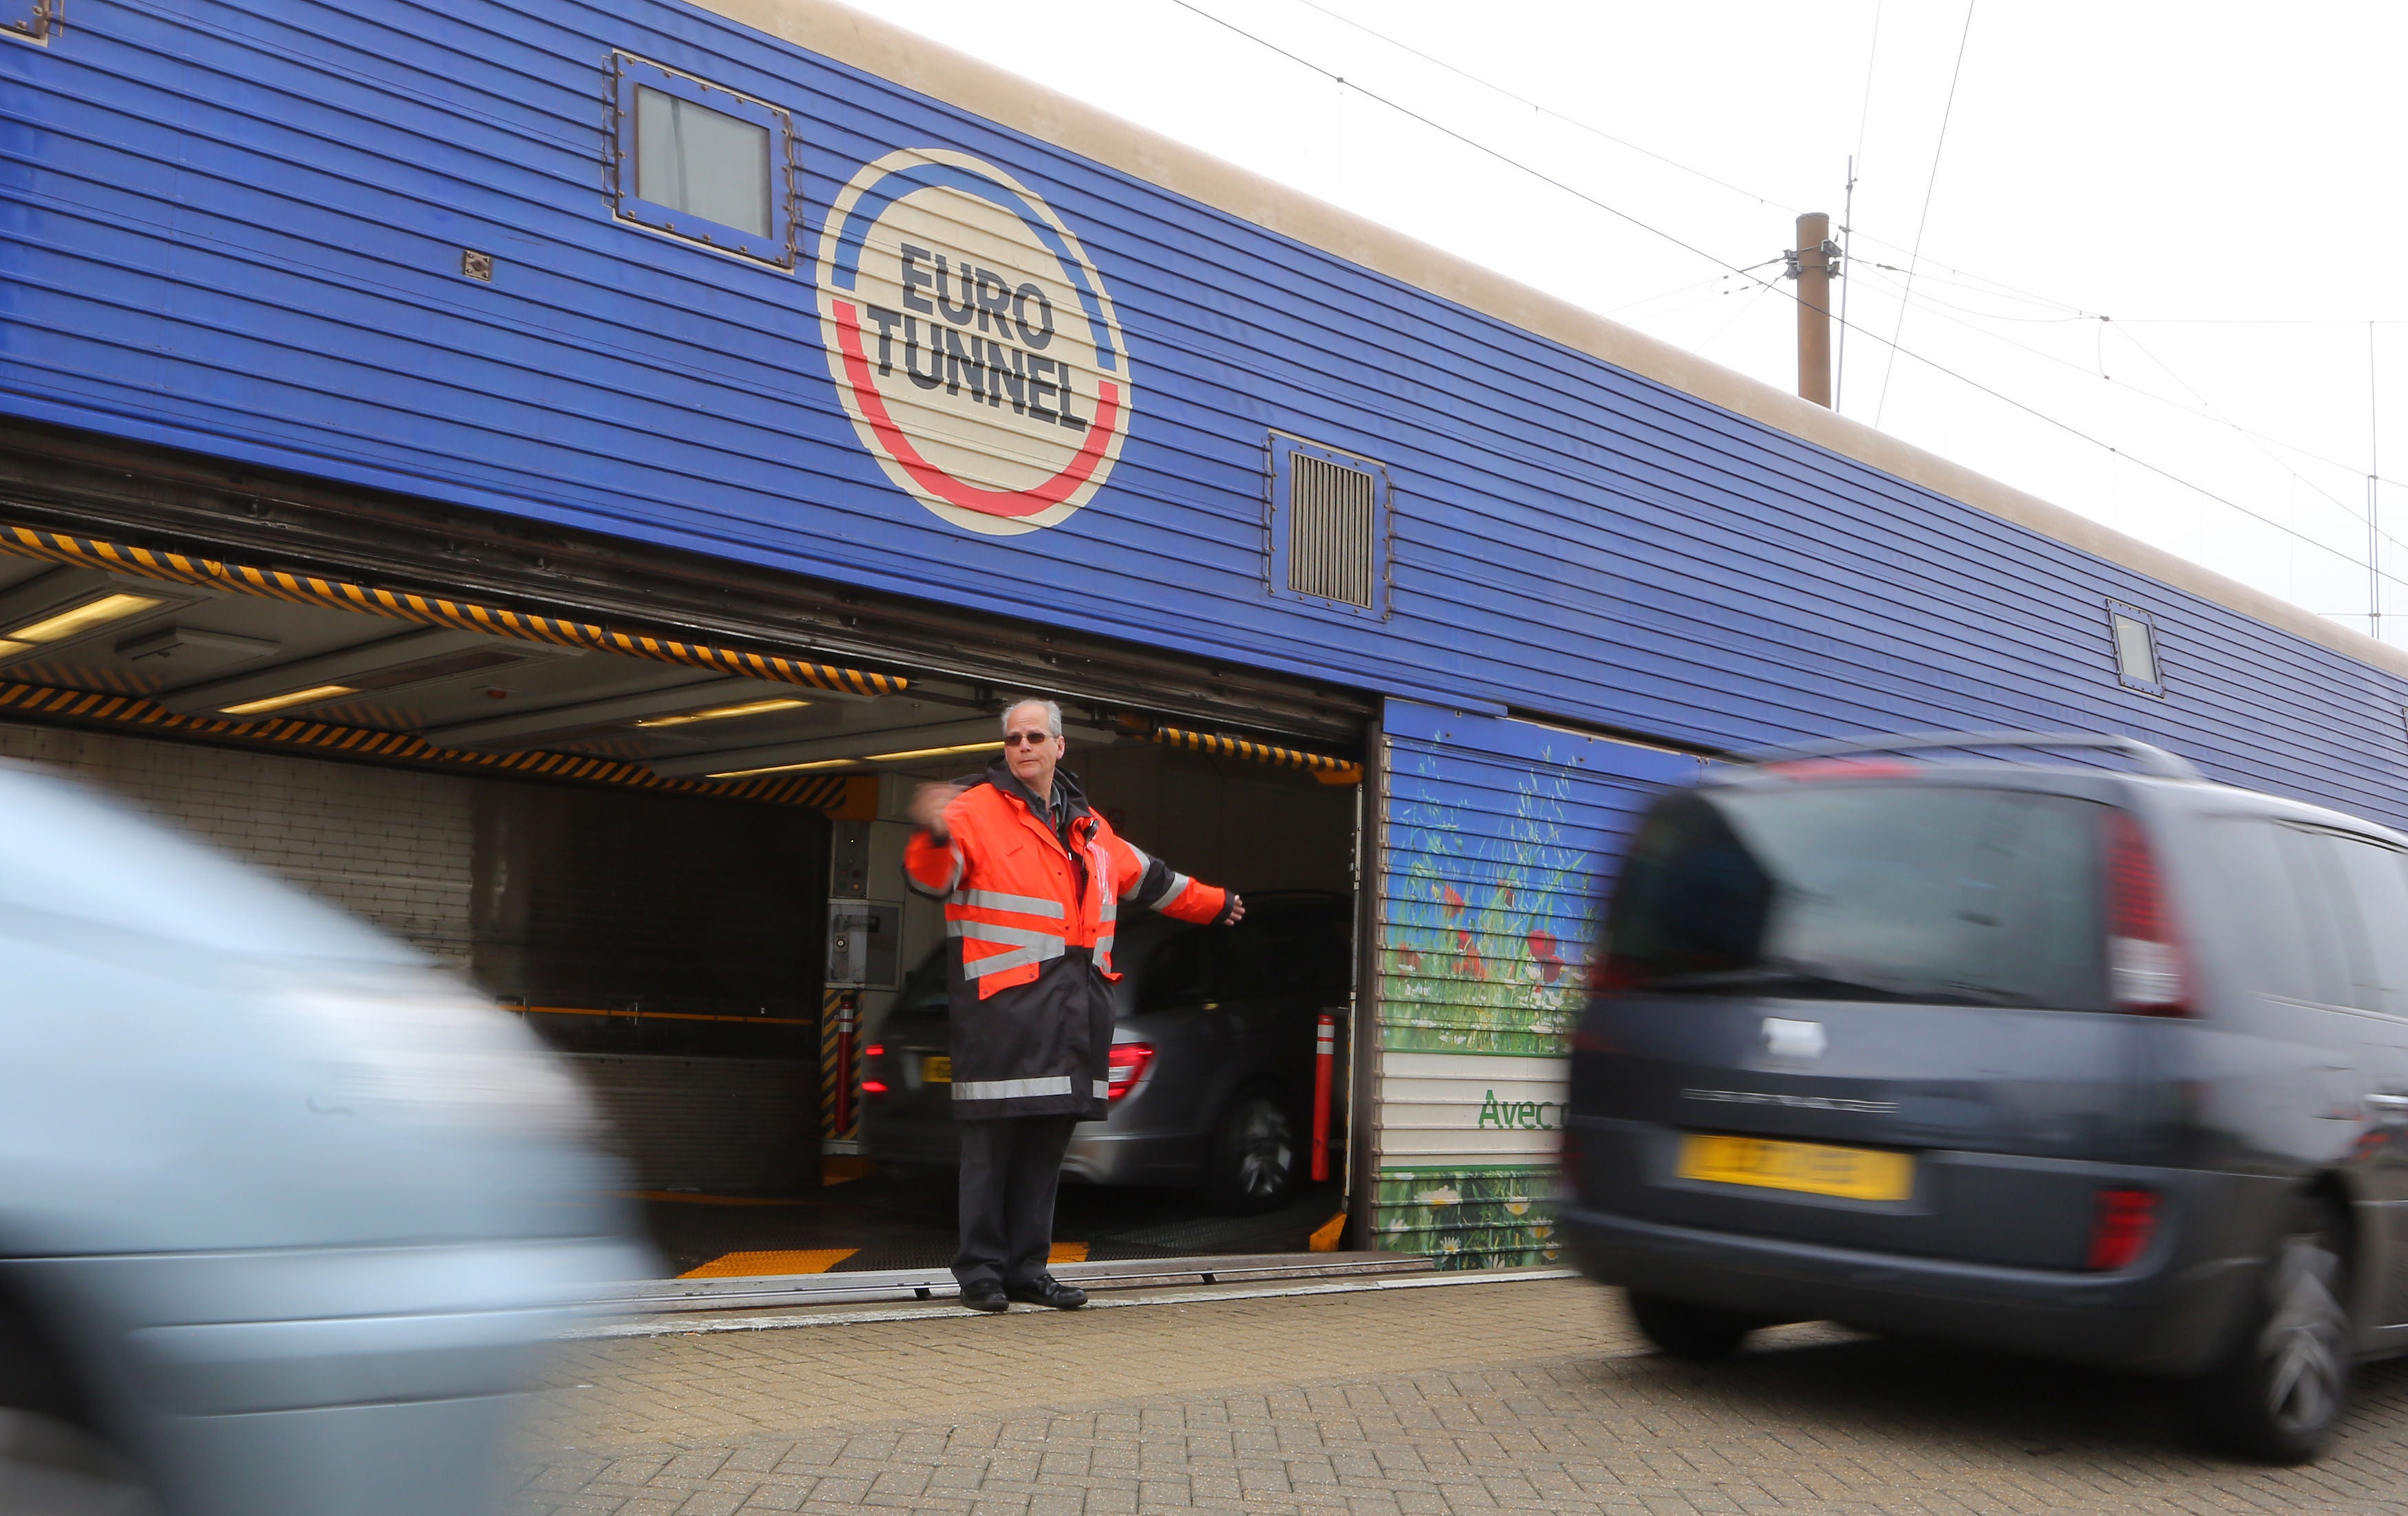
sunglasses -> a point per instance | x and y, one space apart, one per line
1011 740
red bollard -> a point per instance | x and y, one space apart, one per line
1325 1054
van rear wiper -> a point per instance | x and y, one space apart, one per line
1770 979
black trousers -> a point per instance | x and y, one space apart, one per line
1010 1167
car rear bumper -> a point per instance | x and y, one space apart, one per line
2169 1314
1097 1154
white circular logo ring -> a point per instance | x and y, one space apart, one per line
972 342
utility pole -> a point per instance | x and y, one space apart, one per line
1813 264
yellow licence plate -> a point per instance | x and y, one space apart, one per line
1809 1167
935 1071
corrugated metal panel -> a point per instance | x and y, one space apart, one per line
1502 836
710 1123
237 229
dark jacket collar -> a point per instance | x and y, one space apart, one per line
1066 789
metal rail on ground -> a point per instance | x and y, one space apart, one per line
871 1285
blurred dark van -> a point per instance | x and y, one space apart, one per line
1211 1068
2102 1065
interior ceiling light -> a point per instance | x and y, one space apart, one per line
291 697
784 768
59 625
416 671
721 714
847 762
934 752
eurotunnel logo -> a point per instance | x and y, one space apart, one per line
972 342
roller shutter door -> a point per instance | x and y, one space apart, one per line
1498 837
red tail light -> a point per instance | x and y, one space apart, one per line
1610 974
2121 1234
873 1086
2144 967
876 1049
1125 1065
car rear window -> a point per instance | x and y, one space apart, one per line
1888 892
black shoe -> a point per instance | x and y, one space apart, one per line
985 1295
1045 1290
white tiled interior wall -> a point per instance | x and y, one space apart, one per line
387 844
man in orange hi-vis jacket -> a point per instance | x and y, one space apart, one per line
1033 882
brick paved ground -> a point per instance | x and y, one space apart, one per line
1534 1396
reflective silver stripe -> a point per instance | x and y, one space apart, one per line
1103 861
1027 905
953 850
1018 936
1012 1089
979 968
1137 878
1177 887
1104 948
1103 1090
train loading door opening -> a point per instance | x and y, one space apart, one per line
1228 1069
682 865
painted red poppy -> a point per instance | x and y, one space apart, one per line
1543 949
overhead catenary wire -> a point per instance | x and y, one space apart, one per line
2374 495
1984 282
1757 196
1848 212
1894 349
1931 185
1746 306
1721 285
1543 110
2206 411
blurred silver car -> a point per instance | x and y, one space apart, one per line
284 1210
1211 1063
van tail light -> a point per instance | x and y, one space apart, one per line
2126 1221
1125 1065
2144 963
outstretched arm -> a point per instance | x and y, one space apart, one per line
1149 882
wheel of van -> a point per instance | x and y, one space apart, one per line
1252 1167
1682 1329
2277 1395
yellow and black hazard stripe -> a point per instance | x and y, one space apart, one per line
833 792
1320 765
433 610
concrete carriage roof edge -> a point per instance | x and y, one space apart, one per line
915 62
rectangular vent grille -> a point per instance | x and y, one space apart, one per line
1332 546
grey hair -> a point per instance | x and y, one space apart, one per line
1053 713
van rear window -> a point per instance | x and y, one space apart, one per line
1942 896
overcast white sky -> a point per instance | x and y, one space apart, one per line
2219 181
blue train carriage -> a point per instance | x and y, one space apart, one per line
733 398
